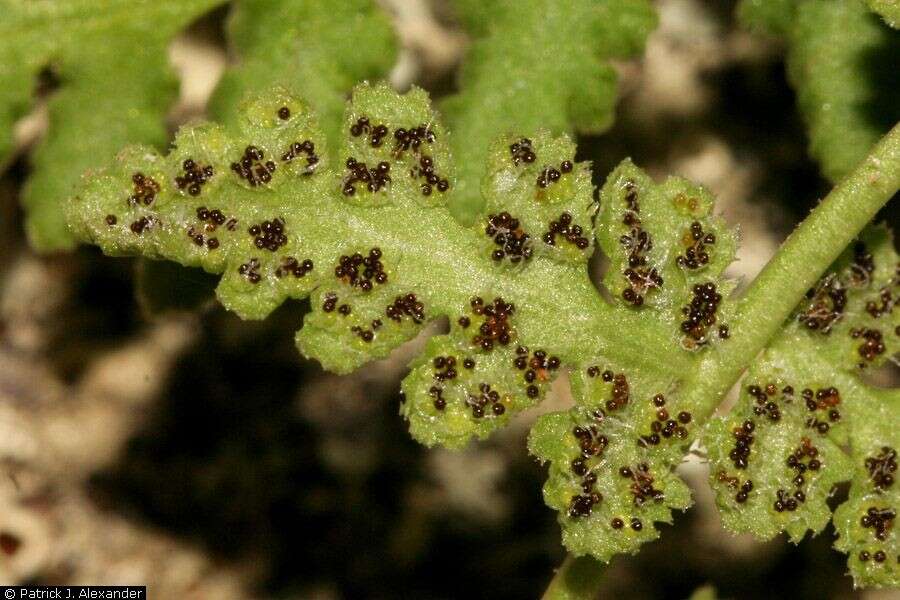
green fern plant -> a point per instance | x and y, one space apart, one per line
116 87
297 45
387 222
371 242
300 46
110 55
536 64
841 58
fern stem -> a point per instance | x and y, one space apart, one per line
770 299
795 268
576 579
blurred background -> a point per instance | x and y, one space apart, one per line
202 456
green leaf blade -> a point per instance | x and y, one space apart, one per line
538 64
116 89
307 47
841 60
888 9
808 403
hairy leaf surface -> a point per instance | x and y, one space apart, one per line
317 49
613 455
370 240
301 46
806 420
537 63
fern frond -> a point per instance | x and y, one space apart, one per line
537 64
777 456
116 87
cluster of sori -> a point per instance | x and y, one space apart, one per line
640 276
696 254
194 177
412 139
253 168
511 240
700 315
